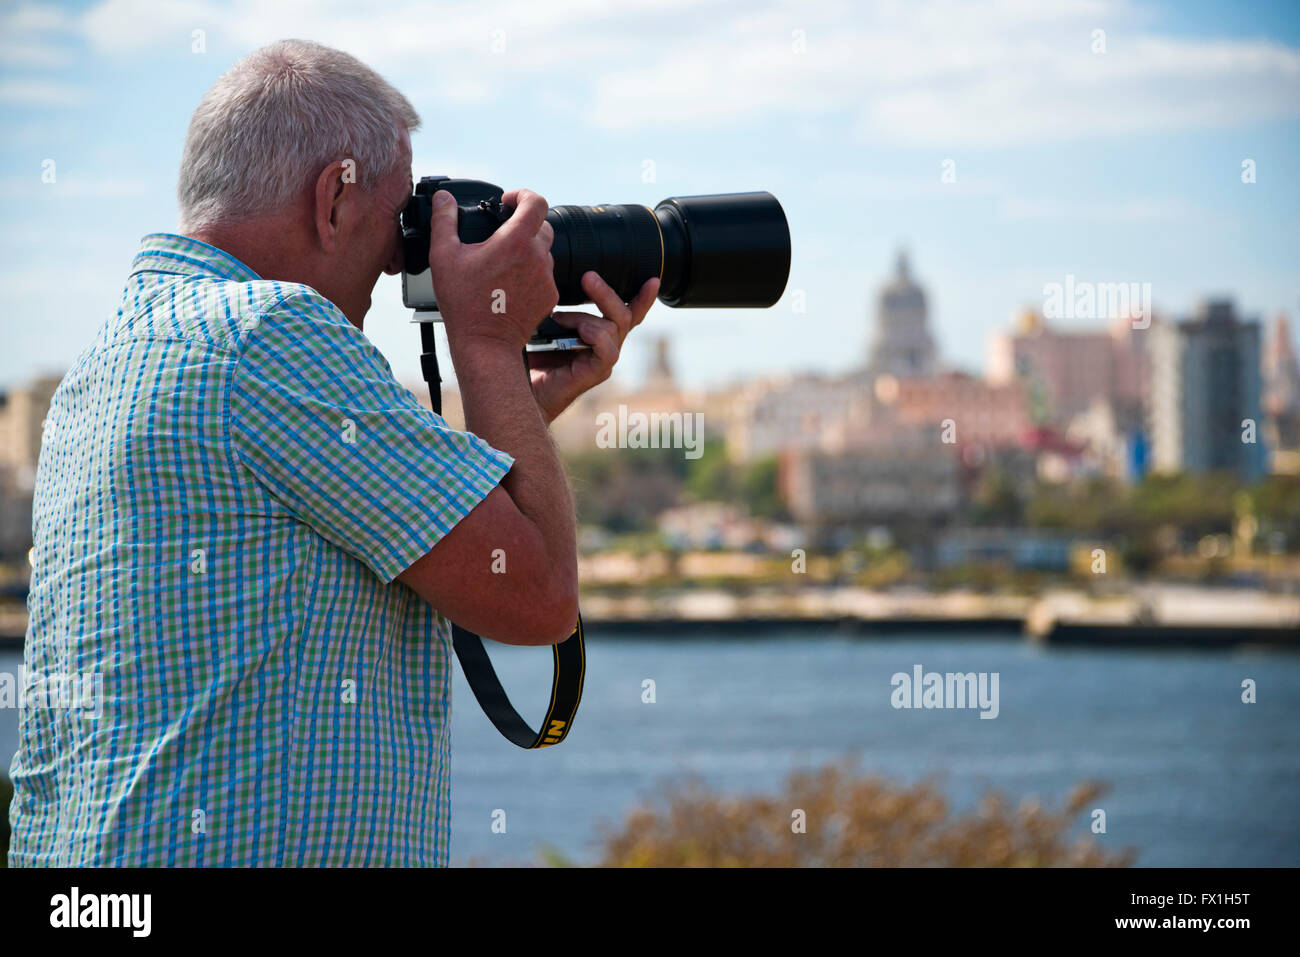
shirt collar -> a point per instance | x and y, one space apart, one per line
184 256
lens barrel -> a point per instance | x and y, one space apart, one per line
724 250
621 243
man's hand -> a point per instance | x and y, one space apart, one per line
530 517
560 377
494 293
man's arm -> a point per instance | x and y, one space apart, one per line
526 525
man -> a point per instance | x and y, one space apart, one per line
251 534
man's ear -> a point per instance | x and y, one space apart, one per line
333 189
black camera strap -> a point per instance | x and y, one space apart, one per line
570 654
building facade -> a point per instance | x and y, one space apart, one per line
1066 371
1205 394
910 483
902 345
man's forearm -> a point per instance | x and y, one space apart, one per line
500 407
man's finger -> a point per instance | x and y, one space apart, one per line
529 214
571 320
644 300
599 334
607 301
443 222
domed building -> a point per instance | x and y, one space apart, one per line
903 345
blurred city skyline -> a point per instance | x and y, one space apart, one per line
996 142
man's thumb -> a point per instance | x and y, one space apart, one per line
443 221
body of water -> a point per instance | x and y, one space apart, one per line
1197 777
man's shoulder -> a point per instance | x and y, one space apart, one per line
280 307
215 312
293 326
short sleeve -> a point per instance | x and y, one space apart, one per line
321 423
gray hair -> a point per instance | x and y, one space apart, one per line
278 117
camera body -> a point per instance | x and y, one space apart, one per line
479 214
725 250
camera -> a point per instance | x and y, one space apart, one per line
724 250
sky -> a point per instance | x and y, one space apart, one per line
1112 161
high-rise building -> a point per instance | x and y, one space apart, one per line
1205 394
902 345
1067 370
1281 386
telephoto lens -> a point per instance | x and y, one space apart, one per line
726 250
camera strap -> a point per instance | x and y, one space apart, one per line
570 666
566 688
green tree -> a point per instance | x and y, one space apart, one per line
711 477
995 499
624 490
1275 503
753 485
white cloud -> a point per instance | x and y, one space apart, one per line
35 91
946 75
130 26
30 36
930 74
73 186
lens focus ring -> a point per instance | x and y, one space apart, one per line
582 251
650 255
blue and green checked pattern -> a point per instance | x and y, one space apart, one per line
230 481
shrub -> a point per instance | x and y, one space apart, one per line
853 821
